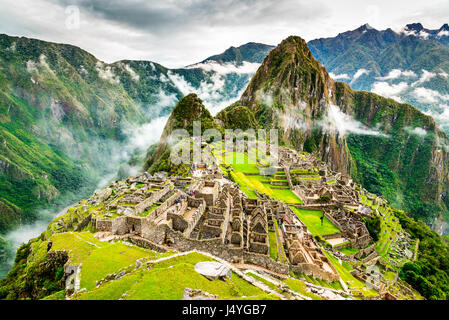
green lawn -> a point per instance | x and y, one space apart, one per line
249 183
348 278
311 218
168 279
273 245
300 287
349 251
84 248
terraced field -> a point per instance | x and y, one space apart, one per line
244 169
311 218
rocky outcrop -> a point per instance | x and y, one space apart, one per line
401 153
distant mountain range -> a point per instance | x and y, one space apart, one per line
69 122
409 66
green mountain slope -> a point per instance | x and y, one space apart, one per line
393 149
68 120
409 66
249 52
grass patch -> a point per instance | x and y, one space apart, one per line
311 218
349 251
168 279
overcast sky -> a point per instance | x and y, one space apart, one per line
176 33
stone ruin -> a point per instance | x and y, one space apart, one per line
209 213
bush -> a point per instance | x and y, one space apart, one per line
373 226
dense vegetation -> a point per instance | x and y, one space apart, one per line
380 52
373 226
430 273
400 165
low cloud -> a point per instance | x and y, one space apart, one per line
359 73
416 131
144 136
212 92
131 72
105 72
425 76
442 118
392 91
430 96
342 76
227 68
397 73
443 33
344 124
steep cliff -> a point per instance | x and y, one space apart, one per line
292 91
188 110
393 149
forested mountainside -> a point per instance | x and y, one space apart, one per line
409 66
391 148
68 121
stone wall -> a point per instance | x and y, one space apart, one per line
366 251
144 243
163 207
265 262
83 223
315 272
103 225
156 196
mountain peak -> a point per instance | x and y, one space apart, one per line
414 27
444 27
366 26
288 67
250 52
188 110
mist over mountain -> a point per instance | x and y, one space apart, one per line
70 123
409 66
391 148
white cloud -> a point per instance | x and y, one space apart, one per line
132 73
359 73
424 35
31 66
443 33
227 68
397 73
211 92
339 76
425 76
421 34
408 32
345 124
416 131
442 118
106 73
425 95
144 136
392 91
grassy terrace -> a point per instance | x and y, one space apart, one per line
353 283
389 228
84 248
245 172
300 287
277 252
167 280
349 251
311 218
334 285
